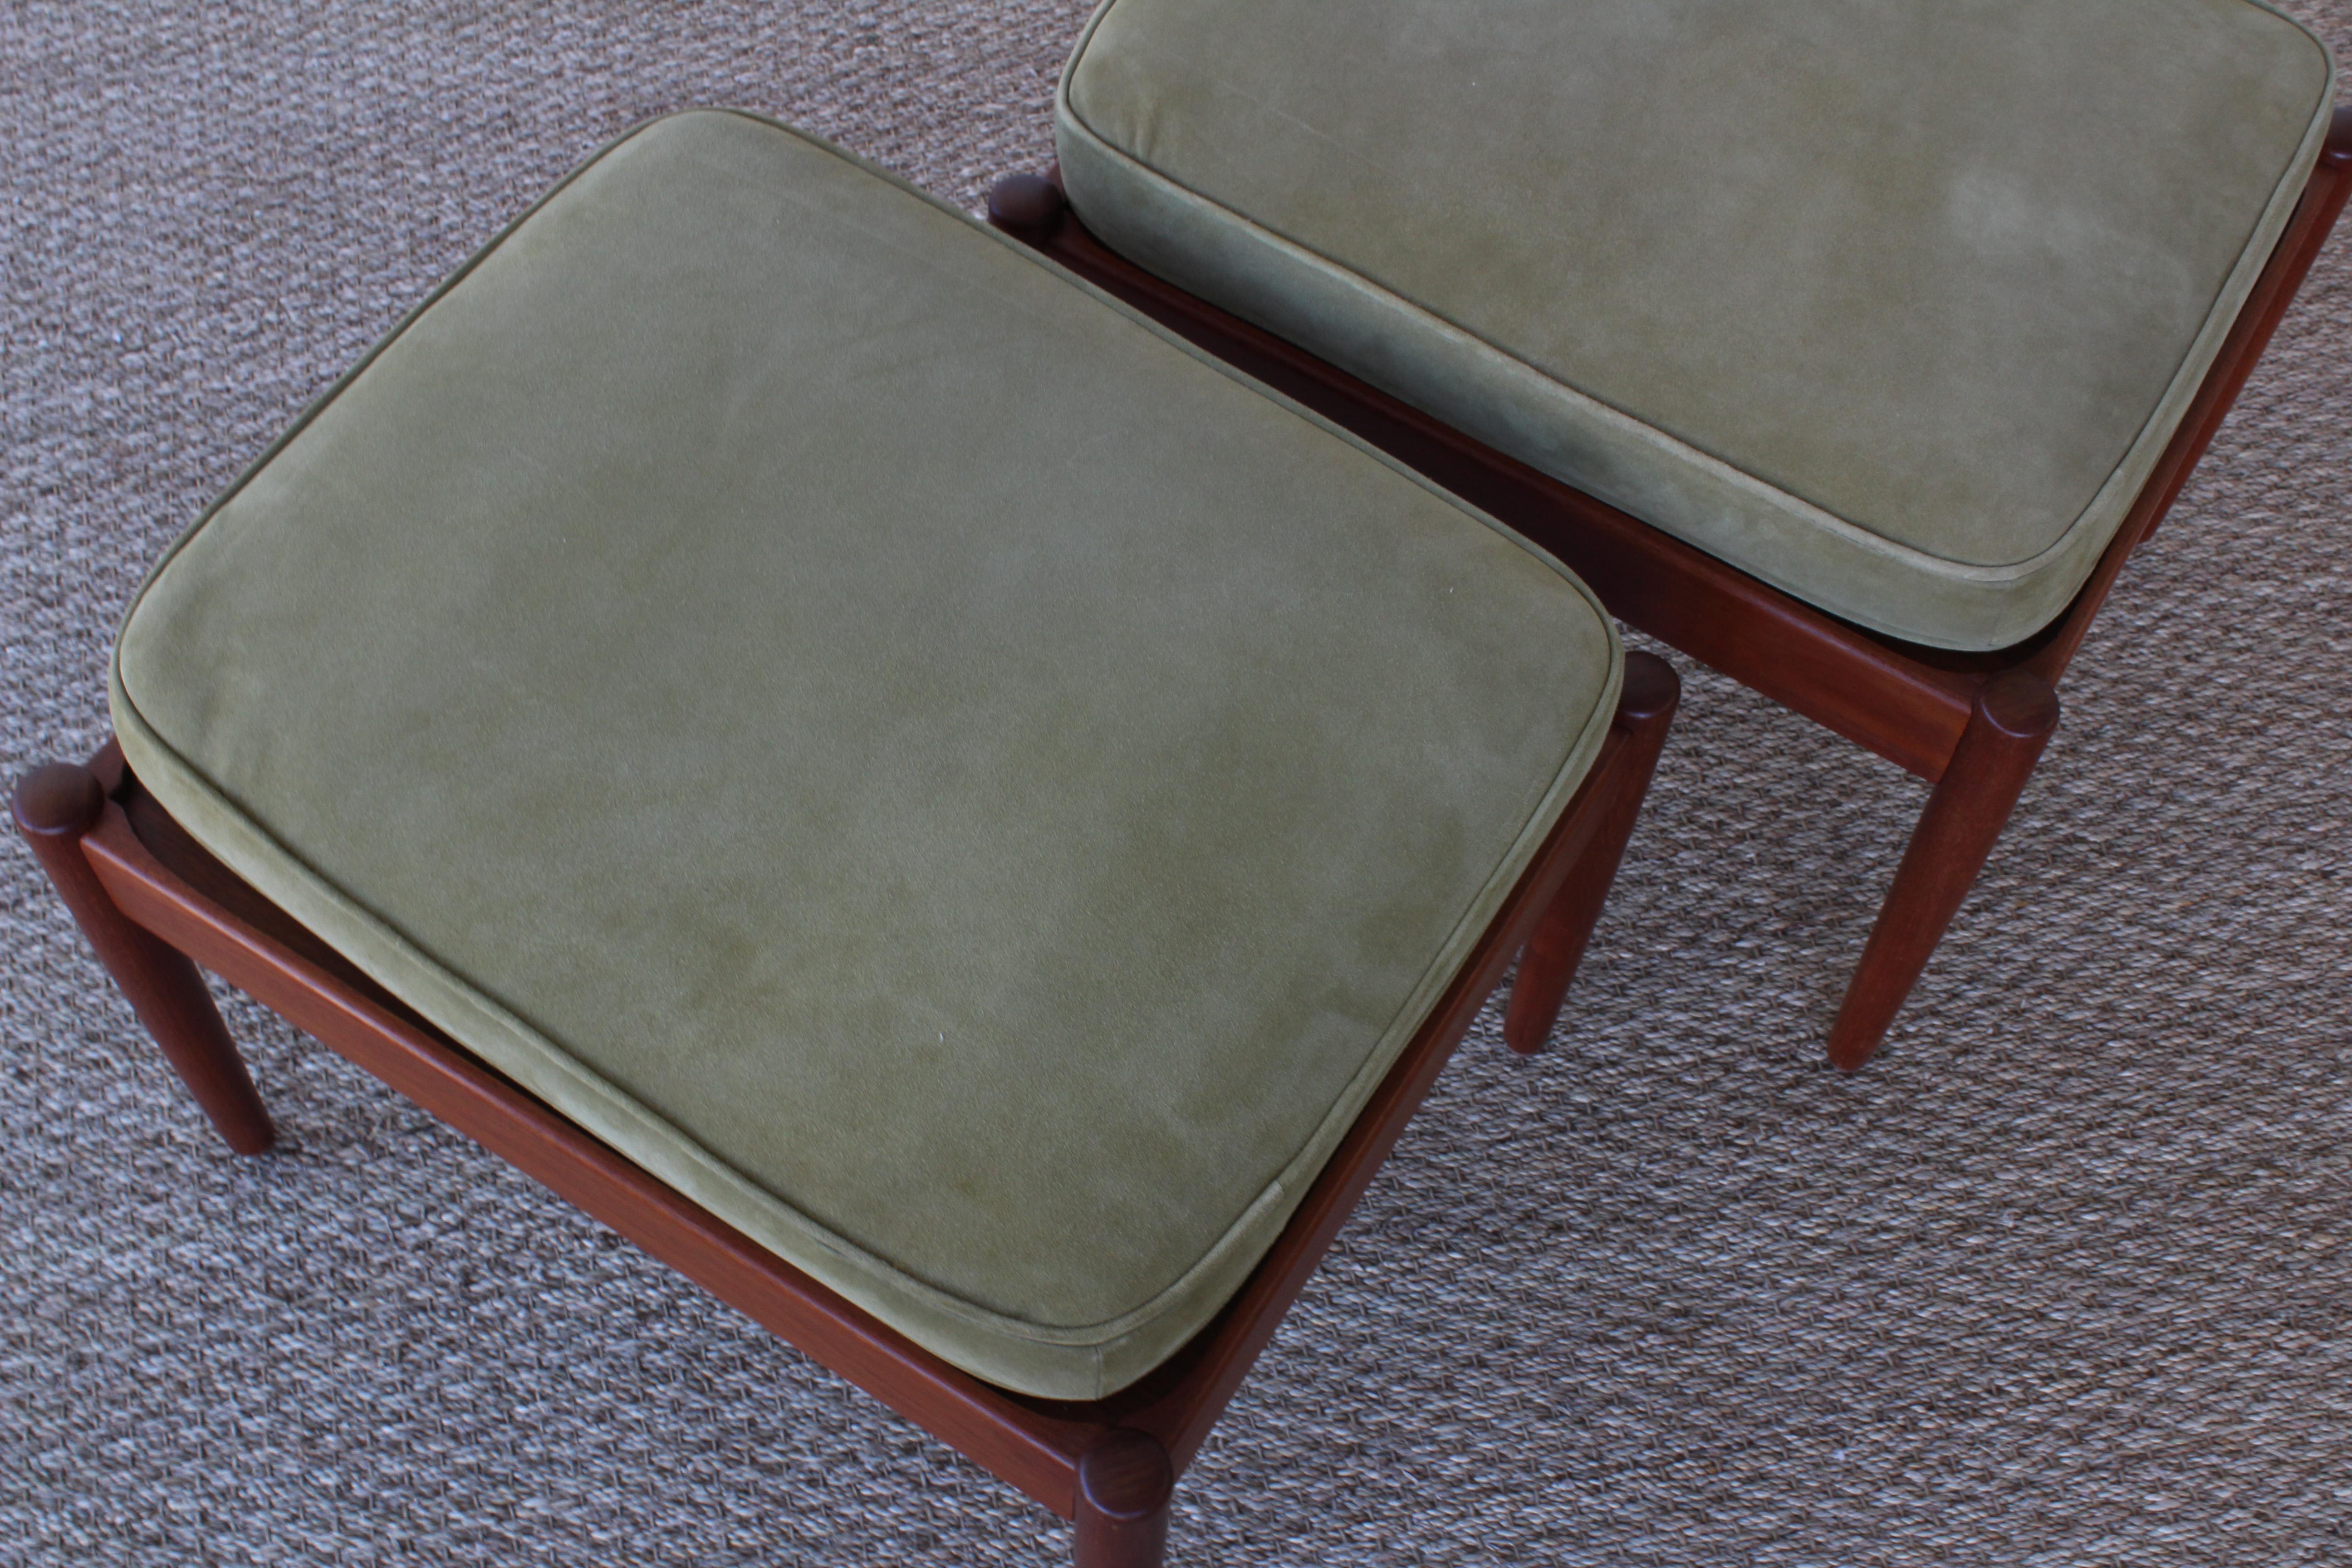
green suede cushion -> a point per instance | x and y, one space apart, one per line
1893 303
959 784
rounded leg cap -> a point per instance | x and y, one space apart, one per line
58 800
1652 687
1125 1483
2019 704
1030 202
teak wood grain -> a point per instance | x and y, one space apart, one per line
1109 1465
1917 706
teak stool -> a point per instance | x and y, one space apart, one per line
928 804
1851 350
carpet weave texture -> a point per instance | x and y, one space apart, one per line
2065 1277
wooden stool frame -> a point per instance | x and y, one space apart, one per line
156 905
1973 725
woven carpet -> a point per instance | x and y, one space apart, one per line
2063 1277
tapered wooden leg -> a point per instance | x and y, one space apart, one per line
2014 715
55 805
1548 964
1125 1483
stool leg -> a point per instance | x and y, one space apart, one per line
2011 722
55 805
1125 1483
1548 964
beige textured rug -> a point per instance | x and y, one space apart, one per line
2064 1279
